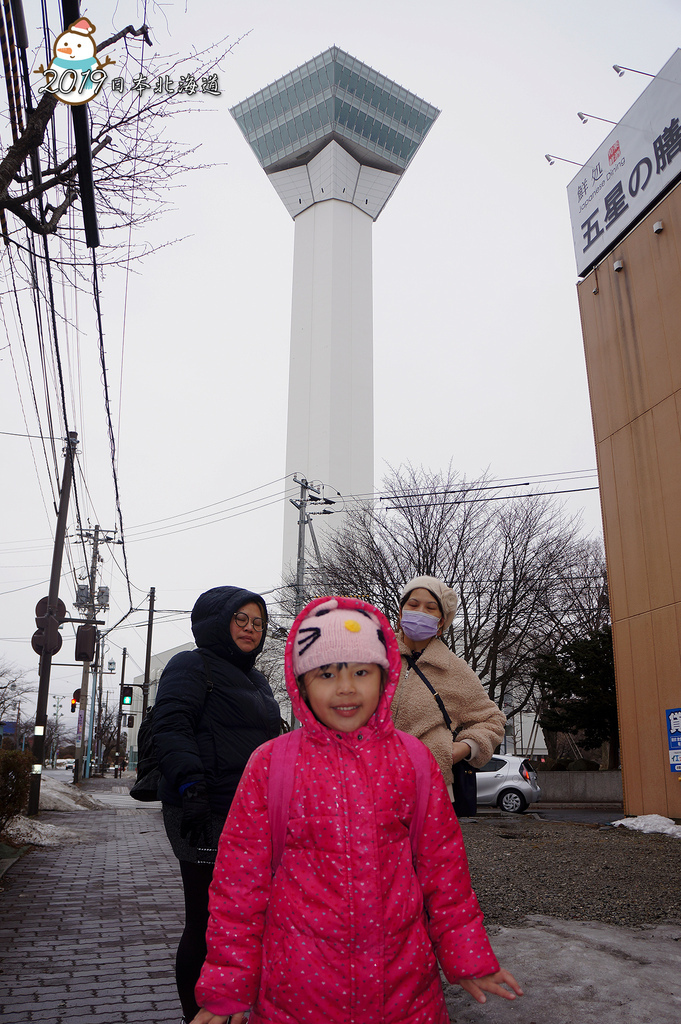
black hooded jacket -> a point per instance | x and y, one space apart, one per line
200 735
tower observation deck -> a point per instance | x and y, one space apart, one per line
334 137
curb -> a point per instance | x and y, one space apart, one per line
7 862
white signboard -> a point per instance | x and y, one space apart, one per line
639 160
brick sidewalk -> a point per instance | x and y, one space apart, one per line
89 929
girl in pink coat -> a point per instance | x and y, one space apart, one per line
348 925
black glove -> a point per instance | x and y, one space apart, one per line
196 815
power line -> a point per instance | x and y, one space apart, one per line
498 497
107 406
190 512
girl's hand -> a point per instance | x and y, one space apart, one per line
492 983
206 1017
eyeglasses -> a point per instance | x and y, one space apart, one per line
243 620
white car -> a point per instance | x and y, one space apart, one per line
509 782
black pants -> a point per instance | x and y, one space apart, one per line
191 951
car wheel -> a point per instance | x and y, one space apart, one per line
513 801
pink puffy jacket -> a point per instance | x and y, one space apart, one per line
348 929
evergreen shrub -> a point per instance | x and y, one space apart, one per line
15 780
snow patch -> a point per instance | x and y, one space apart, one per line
64 796
54 796
651 823
28 831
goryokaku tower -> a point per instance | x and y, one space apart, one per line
334 137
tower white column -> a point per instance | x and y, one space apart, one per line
330 433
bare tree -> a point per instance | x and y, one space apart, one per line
13 690
515 561
134 161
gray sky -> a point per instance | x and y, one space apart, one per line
477 343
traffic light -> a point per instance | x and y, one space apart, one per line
47 638
131 721
86 639
126 696
75 700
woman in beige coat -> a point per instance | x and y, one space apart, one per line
427 608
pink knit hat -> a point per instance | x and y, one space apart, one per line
332 634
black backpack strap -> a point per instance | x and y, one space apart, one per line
440 703
209 674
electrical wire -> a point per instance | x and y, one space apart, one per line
107 407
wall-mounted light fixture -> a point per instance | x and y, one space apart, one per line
620 71
585 117
551 159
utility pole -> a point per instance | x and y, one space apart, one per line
57 698
82 710
117 767
50 628
301 505
90 605
94 665
147 663
303 521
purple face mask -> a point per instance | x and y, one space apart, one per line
419 625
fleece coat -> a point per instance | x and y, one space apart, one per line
415 710
348 930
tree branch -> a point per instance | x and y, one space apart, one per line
50 226
34 132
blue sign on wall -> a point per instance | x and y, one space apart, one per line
673 716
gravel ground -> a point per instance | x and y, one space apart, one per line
521 865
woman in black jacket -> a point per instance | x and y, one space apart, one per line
212 710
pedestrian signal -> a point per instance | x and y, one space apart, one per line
126 696
75 700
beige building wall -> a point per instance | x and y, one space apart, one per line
631 323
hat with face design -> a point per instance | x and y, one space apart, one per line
331 634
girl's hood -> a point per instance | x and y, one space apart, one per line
381 718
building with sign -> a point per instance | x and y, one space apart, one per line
625 208
334 138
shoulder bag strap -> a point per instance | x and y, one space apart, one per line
440 703
279 789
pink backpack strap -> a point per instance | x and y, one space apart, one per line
279 789
421 762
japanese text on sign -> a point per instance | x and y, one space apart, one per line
638 161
